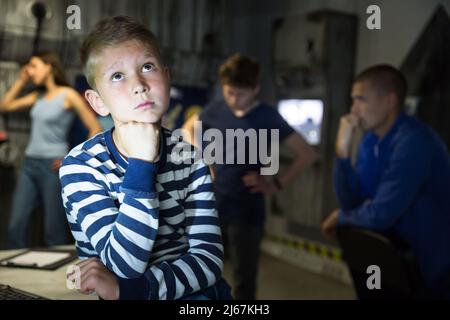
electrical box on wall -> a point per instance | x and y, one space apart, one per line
298 57
313 59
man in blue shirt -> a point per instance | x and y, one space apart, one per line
400 184
238 185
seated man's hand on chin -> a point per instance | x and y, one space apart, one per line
347 125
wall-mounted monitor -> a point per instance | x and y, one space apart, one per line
305 116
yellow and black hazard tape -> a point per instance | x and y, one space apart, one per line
310 247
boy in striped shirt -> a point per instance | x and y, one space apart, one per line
144 224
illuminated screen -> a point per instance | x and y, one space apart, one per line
305 116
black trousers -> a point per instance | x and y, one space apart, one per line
242 247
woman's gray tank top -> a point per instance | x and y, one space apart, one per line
50 126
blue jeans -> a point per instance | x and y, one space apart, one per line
219 291
37 183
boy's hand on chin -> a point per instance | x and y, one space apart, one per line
140 140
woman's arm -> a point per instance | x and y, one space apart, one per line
10 102
86 115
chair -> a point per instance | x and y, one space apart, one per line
400 277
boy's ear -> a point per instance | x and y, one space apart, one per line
96 102
167 72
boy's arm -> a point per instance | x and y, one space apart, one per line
304 154
122 237
304 157
202 265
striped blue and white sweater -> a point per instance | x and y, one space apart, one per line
154 225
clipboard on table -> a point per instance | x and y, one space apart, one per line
44 259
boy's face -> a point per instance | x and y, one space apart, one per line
239 98
132 84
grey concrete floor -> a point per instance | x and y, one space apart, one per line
278 280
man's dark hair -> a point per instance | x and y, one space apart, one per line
385 78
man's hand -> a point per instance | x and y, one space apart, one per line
258 183
139 140
95 277
328 226
347 126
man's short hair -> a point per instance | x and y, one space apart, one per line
240 71
109 32
385 78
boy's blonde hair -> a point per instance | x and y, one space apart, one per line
109 32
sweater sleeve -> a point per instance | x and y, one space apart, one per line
122 236
399 184
202 265
346 184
